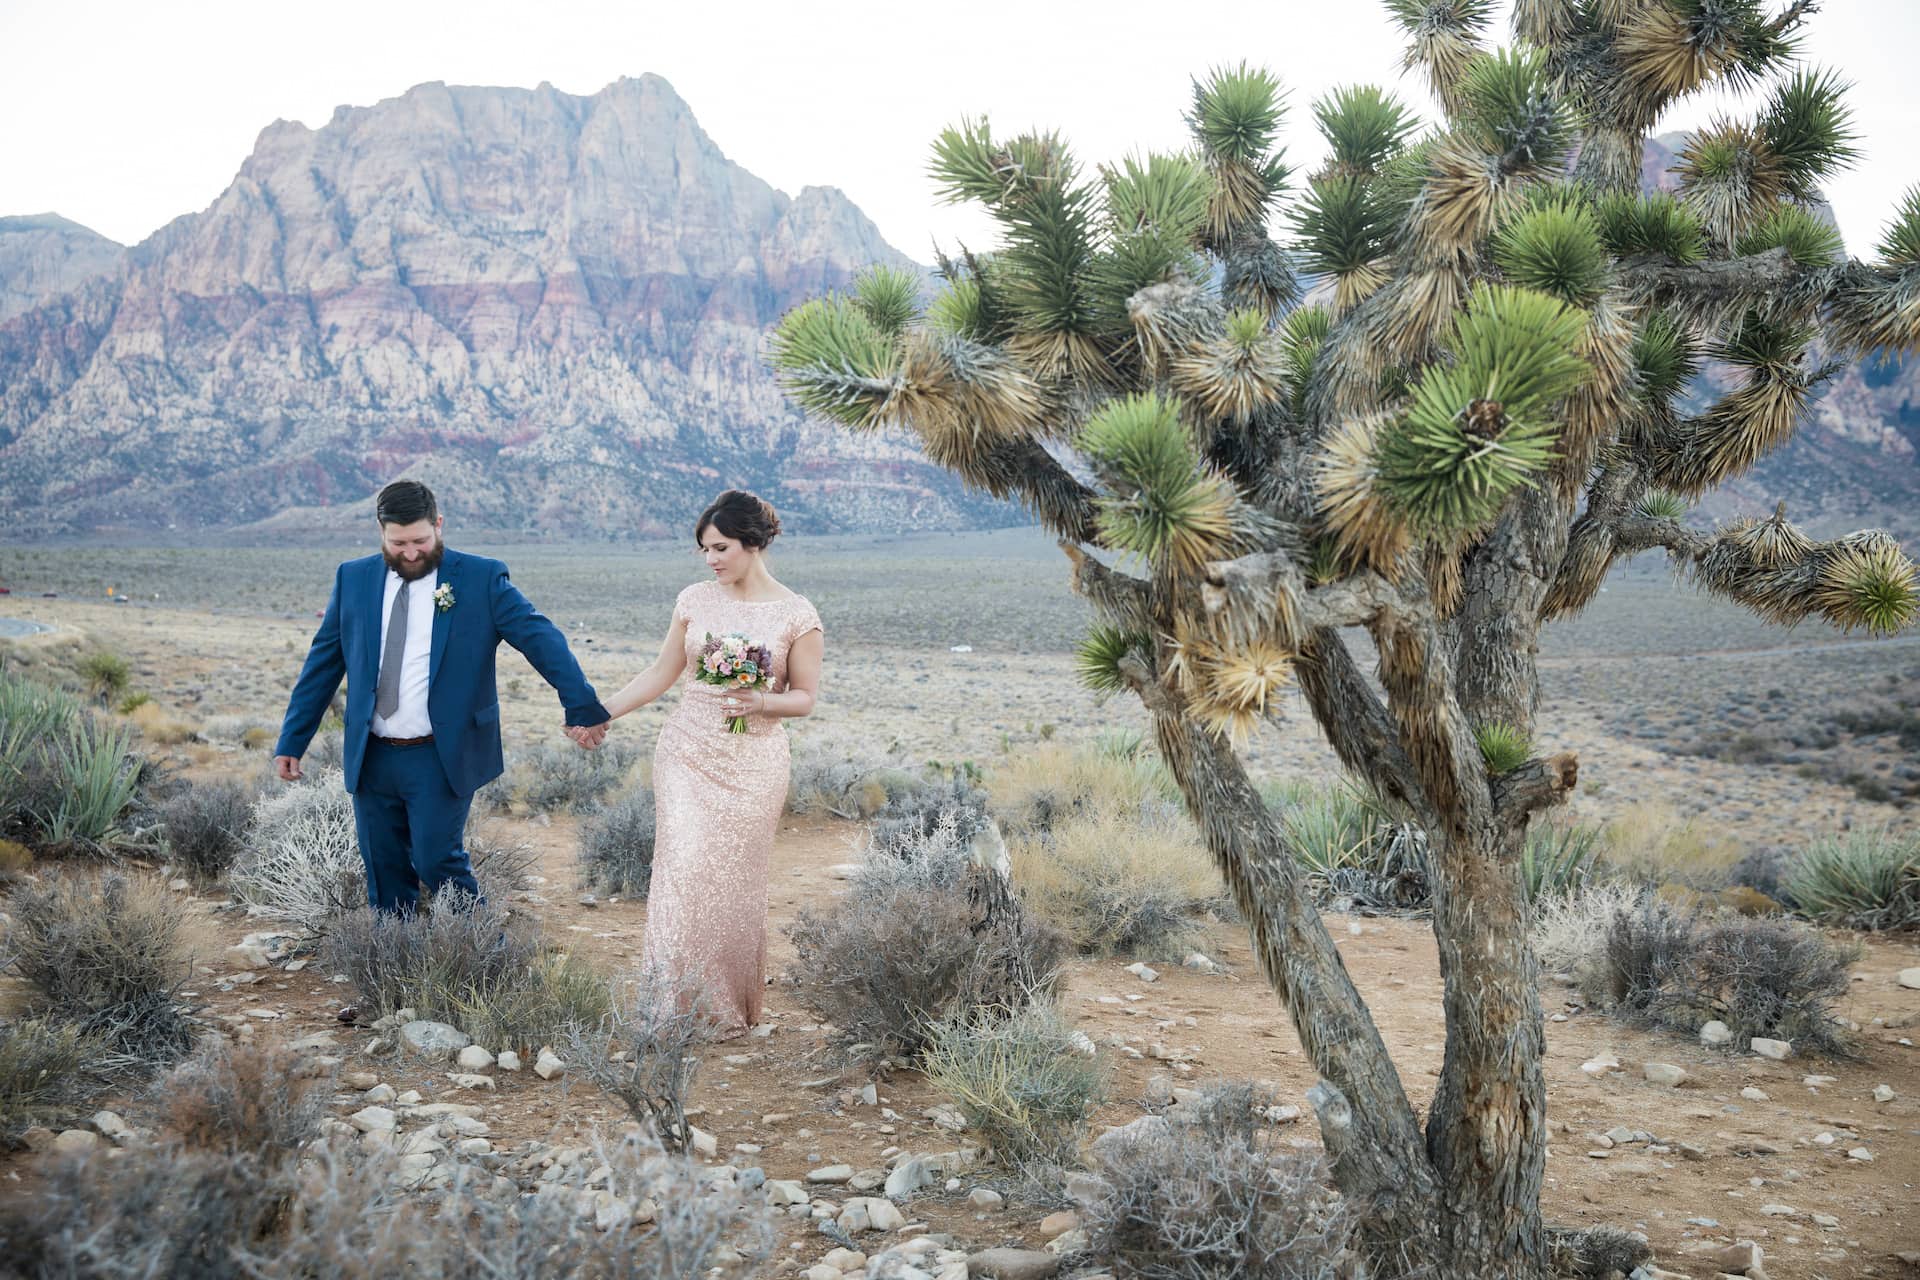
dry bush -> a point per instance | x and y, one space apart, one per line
48 1071
1762 977
1119 884
1021 1077
160 728
655 1028
918 812
106 956
616 845
1052 782
1570 929
841 774
169 1211
1209 1196
1656 844
243 1100
1865 879
203 829
302 861
239 730
561 779
921 934
466 963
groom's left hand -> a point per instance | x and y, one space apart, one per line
588 737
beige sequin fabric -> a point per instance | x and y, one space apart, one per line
717 803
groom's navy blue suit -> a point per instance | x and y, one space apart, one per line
410 803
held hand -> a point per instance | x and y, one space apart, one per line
587 737
288 767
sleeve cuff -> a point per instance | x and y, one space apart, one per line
588 715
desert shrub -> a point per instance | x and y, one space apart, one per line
203 830
643 1053
48 1071
1209 1195
1020 1077
174 1211
1558 858
845 779
157 727
107 957
106 675
67 779
1052 782
921 934
561 779
241 1099
302 860
15 861
1354 851
616 845
1762 977
1764 871
1656 844
133 702
1864 879
920 810
242 731
466 963
1570 929
1119 885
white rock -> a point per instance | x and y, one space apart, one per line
473 1058
1716 1032
508 1060
985 1198
433 1039
548 1064
1861 1154
1883 1093
373 1119
1664 1073
882 1214
1600 1065
832 1173
1144 972
73 1141
111 1125
1200 962
470 1080
1909 978
1778 1050
1752 1094
379 1093
786 1191
908 1176
704 1143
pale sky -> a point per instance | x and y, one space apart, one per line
123 115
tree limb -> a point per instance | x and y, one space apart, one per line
1535 785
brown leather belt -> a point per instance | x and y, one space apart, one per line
403 742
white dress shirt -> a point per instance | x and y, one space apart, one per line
409 719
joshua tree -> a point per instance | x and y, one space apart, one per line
1481 404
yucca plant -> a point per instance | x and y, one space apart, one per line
1484 401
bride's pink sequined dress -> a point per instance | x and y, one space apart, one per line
718 797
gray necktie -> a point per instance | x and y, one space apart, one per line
386 694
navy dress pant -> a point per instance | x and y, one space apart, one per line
412 827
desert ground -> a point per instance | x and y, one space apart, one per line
957 648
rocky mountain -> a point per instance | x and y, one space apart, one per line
550 307
1857 460
44 256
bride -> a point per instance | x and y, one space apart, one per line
718 795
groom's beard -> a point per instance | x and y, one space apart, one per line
420 568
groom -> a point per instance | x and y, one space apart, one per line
414 630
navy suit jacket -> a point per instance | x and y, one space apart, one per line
462 701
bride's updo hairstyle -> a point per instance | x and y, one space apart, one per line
748 519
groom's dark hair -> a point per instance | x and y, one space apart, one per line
405 502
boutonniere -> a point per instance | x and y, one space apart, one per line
443 597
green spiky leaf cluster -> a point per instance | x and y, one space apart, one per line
1164 505
836 362
1809 241
1660 504
1508 98
1900 245
1365 126
1762 343
1654 223
889 297
1808 130
1237 113
1664 358
1503 747
1342 224
1301 335
1031 186
1163 194
1554 247
1483 426
1100 653
1872 585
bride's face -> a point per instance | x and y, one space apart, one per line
726 558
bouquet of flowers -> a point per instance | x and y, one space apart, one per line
734 662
